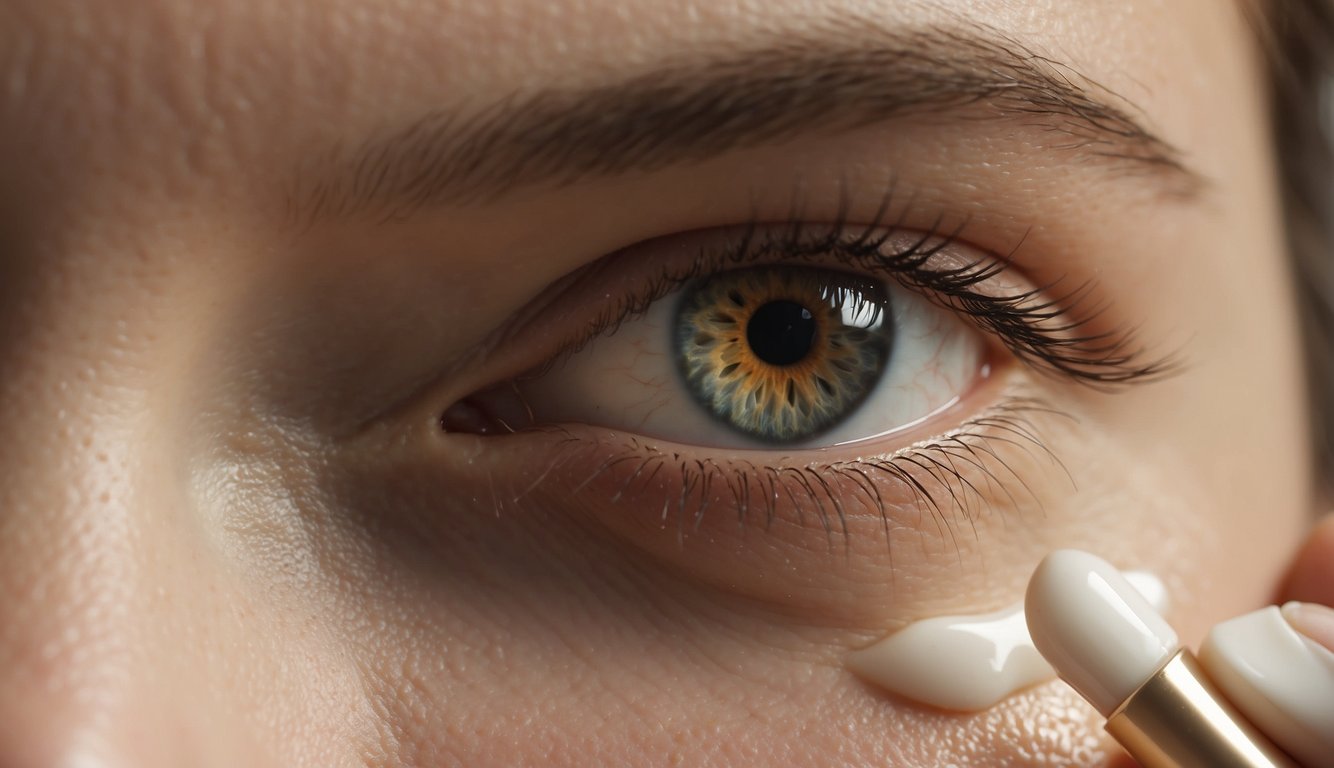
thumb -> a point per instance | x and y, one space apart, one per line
1310 586
1311 579
1270 663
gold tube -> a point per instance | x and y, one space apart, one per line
1178 719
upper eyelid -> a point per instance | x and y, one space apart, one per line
557 319
1066 345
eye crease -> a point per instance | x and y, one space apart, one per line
781 354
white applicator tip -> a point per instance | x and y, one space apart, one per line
1099 633
1110 645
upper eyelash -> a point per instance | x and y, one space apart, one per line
1050 333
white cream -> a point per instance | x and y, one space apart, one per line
968 663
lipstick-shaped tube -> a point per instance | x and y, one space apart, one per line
1104 639
1179 718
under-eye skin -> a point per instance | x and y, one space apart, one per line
791 465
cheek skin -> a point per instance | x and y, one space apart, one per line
525 624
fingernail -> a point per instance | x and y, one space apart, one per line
1279 678
1314 621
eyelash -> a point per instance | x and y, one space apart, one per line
936 472
1048 333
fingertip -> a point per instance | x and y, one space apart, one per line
1314 621
1281 681
1311 578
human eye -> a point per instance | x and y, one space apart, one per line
763 357
818 375
761 342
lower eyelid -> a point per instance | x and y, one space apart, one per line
746 521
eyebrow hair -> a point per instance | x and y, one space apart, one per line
842 76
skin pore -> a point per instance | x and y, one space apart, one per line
254 251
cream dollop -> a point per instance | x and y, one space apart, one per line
968 663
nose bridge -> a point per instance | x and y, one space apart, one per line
81 537
70 591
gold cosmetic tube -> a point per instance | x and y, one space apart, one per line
1179 719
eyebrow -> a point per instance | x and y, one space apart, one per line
835 77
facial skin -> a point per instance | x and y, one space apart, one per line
232 531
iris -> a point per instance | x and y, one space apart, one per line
782 353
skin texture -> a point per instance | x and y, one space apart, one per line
232 532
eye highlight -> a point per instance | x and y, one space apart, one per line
781 354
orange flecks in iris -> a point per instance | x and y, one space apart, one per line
783 402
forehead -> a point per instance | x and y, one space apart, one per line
213 79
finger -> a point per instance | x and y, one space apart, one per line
1314 621
1311 579
1281 679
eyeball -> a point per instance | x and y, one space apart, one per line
767 357
782 354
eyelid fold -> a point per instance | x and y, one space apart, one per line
1053 330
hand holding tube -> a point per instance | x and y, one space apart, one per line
1277 665
1262 695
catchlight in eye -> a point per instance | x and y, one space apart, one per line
781 354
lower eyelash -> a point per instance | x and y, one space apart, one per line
947 477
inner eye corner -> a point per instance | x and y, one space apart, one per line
492 410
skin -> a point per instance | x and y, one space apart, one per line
231 532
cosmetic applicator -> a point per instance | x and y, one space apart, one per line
1116 651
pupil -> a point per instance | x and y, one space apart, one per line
781 332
